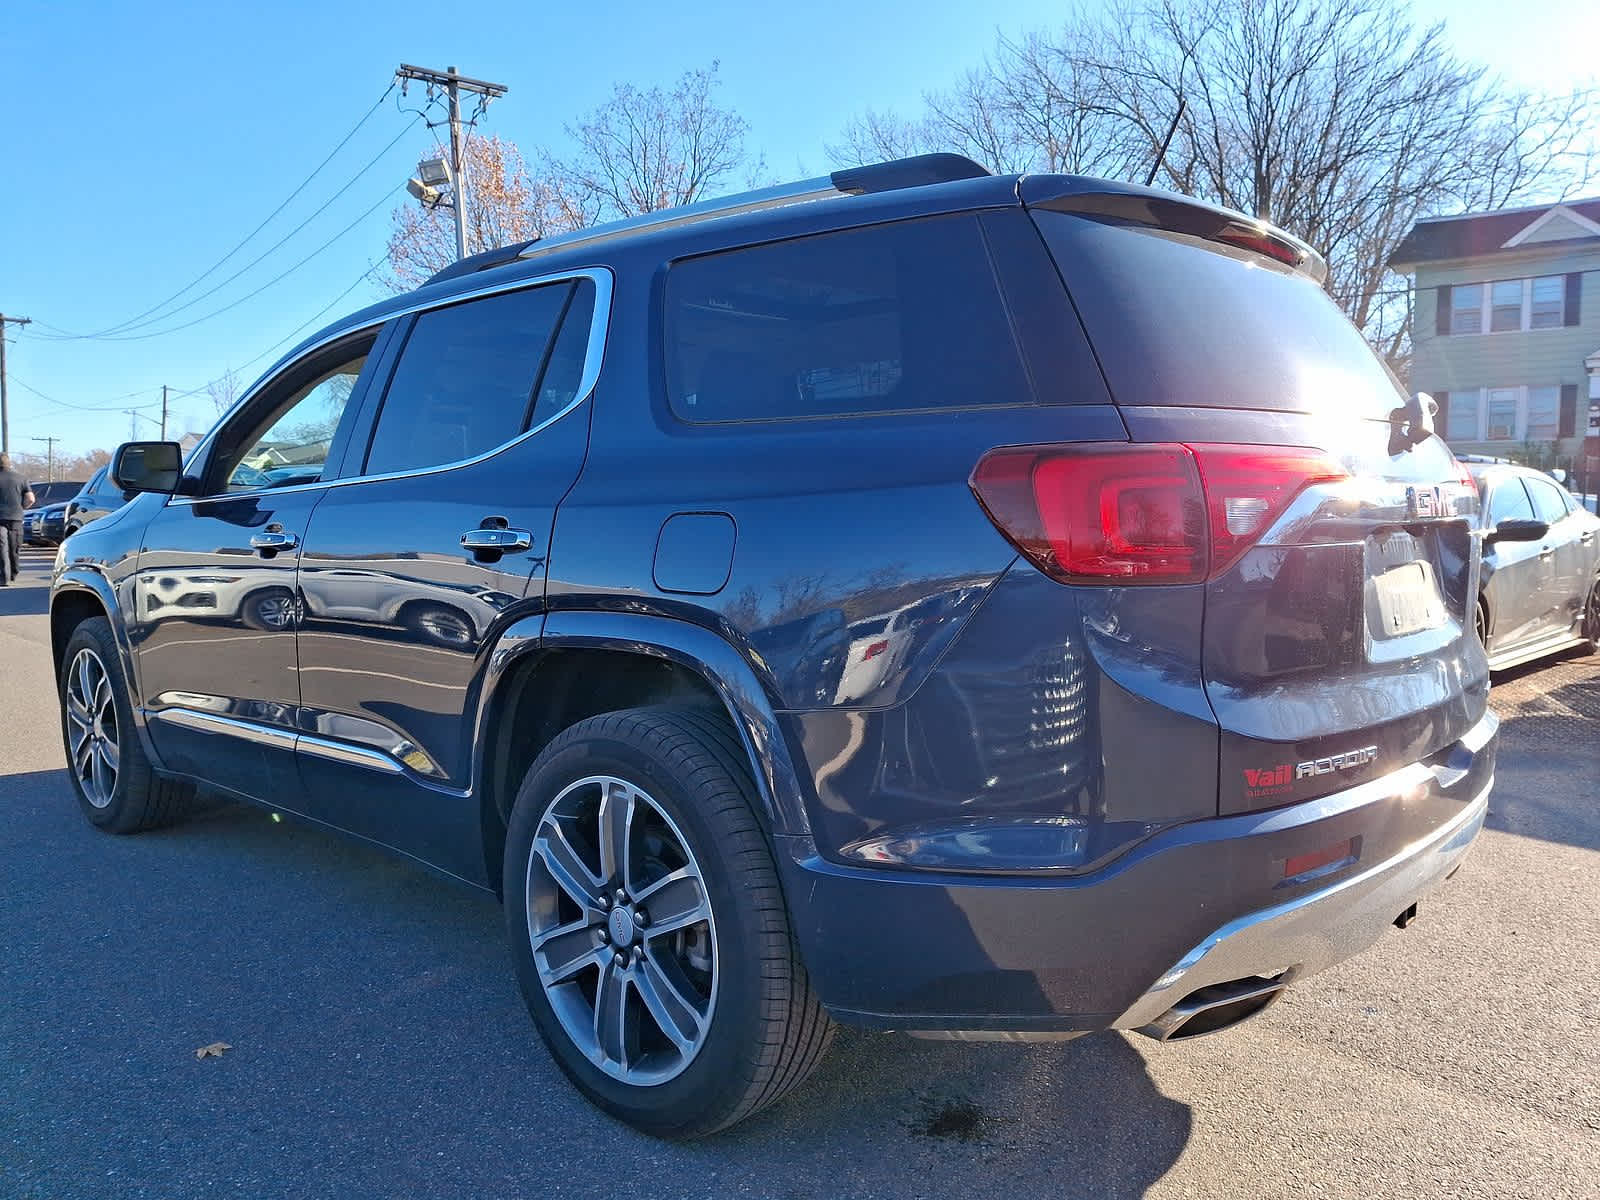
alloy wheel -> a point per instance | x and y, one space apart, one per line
1591 615
622 931
277 611
92 728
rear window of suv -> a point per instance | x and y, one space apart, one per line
1179 322
889 318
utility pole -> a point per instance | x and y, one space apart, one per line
163 412
50 457
454 84
5 411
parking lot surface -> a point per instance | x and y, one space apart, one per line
380 1048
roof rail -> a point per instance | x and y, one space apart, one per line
891 176
481 262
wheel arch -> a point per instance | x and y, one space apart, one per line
542 679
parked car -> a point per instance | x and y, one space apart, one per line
45 496
98 498
1540 590
1181 700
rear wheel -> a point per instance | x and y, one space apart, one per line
116 785
1591 617
1480 623
647 926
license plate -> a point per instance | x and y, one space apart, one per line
1407 600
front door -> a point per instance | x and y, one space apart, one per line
1517 585
215 600
437 540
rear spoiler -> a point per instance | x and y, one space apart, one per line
1134 205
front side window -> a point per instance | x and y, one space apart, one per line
473 376
283 439
1544 413
1549 302
1509 501
1461 422
890 318
1502 424
1547 500
1466 308
1505 300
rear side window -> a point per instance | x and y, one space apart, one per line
890 318
475 375
1508 501
1547 500
1180 322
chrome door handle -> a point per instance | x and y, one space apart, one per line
1546 553
502 540
271 543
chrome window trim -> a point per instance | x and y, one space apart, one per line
594 354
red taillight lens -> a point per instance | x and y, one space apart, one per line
1129 513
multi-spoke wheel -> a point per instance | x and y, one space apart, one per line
91 727
647 926
116 784
271 610
621 930
1591 616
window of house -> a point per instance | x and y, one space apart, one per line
473 376
895 317
1549 296
1466 308
1505 305
1544 413
1461 420
1502 424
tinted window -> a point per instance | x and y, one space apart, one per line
1508 501
1177 321
1547 500
472 376
890 318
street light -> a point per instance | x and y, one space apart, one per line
430 183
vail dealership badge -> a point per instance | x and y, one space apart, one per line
1274 780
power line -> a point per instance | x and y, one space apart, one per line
244 241
125 332
113 407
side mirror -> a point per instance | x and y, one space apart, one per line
147 467
1516 529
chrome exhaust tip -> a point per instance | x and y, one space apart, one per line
1215 1008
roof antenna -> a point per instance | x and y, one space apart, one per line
1161 154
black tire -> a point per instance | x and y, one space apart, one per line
441 624
1480 623
139 798
1591 617
766 1030
271 610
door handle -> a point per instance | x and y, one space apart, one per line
272 541
502 541
1547 552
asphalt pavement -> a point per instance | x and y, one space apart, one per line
380 1048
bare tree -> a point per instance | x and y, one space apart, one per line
505 204
1342 123
223 391
648 149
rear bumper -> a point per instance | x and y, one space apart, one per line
1195 906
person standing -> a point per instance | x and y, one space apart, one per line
15 497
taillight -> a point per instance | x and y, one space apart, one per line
1131 513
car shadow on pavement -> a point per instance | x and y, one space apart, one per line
21 600
1551 734
369 1004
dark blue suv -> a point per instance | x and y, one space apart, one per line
973 606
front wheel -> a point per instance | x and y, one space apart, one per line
647 927
116 785
1591 617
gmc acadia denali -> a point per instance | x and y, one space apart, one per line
966 605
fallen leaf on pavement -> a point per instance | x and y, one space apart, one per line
214 1050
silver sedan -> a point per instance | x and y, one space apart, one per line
1541 566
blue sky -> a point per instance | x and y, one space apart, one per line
143 141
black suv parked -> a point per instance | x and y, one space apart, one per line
931 601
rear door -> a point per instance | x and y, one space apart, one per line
1562 555
1336 608
437 537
